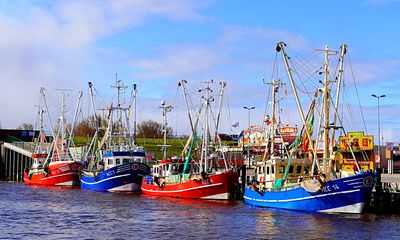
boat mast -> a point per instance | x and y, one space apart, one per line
62 125
275 87
74 120
222 90
206 132
326 111
326 104
221 95
120 87
134 105
281 48
182 84
166 108
343 50
94 120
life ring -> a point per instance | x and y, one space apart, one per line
135 166
74 167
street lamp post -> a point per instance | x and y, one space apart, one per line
248 145
379 129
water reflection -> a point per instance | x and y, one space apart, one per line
49 213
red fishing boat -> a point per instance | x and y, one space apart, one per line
58 173
166 182
205 175
57 168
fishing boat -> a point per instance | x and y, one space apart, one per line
195 175
298 175
116 163
55 166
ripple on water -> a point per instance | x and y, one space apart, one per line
62 213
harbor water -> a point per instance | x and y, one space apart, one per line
63 213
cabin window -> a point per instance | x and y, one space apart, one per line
268 170
305 170
298 169
291 169
272 169
125 160
117 161
281 169
110 161
167 167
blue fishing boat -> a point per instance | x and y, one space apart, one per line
296 172
345 195
114 163
124 171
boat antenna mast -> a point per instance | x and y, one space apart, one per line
63 125
206 133
275 88
120 87
165 108
326 104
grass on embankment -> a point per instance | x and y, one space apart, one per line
152 145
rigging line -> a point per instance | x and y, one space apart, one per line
301 82
300 66
275 66
300 57
305 68
266 107
229 109
358 97
348 107
307 61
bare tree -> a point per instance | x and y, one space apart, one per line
152 129
25 126
84 129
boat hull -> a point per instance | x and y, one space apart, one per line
122 178
344 195
218 187
59 173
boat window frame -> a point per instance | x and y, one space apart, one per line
298 169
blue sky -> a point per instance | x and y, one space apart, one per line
65 44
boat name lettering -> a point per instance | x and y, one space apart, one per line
330 188
110 173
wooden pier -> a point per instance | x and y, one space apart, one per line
386 195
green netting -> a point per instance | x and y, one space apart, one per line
185 176
186 166
278 183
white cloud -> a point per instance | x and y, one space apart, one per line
178 62
48 44
376 70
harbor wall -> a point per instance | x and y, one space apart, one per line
13 163
2 162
